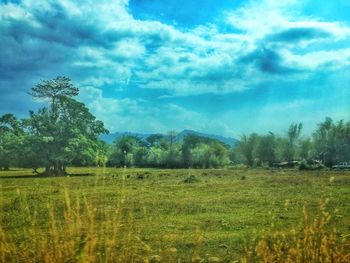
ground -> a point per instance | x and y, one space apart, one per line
216 215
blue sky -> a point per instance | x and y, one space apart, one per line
225 67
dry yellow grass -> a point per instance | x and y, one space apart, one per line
313 243
75 236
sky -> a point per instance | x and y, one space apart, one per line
227 67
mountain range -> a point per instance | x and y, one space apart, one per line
109 138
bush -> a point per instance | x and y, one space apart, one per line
310 166
191 179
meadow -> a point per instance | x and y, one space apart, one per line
184 215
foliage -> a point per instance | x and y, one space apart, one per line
11 141
66 132
266 149
54 89
63 133
164 152
289 151
330 144
246 147
123 151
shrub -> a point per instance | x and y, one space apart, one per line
191 179
310 166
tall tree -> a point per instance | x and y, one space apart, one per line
305 148
64 131
332 141
266 149
247 146
290 147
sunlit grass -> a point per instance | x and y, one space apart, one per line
115 216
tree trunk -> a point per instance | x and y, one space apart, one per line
57 168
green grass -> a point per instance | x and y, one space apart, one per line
226 208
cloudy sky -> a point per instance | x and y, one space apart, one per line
225 66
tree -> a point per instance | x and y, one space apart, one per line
305 146
290 146
140 156
172 156
266 149
200 156
65 131
11 139
210 155
246 147
155 157
189 143
332 141
53 90
123 151
202 152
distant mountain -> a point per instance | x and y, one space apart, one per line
227 140
110 138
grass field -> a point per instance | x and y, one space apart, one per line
152 215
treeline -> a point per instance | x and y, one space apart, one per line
329 144
64 132
161 151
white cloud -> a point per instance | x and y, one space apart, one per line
261 18
122 50
102 47
334 59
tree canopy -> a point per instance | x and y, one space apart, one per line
62 133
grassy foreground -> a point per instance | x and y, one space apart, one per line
151 215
